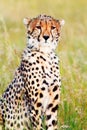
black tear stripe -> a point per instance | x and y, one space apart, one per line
32 31
39 34
28 32
58 34
51 34
30 21
46 24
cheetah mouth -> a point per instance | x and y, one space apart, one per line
30 47
46 41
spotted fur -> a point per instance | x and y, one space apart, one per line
34 92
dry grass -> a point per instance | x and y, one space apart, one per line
72 51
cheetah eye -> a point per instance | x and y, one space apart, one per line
53 27
38 27
28 32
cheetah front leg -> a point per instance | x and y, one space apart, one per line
36 111
52 108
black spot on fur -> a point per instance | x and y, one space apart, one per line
41 95
55 88
54 108
39 104
42 58
54 122
50 105
56 97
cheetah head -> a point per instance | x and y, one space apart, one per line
43 32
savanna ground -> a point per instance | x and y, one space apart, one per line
72 51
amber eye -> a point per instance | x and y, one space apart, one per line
38 27
28 31
53 27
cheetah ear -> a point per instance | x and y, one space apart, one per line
26 21
62 22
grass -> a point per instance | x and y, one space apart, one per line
72 51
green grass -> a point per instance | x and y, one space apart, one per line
72 51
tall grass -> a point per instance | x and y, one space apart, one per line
72 51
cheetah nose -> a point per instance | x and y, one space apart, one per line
45 37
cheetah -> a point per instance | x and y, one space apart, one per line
34 93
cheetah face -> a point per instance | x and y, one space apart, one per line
43 32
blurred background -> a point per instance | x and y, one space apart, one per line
72 51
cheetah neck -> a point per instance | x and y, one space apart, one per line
48 54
